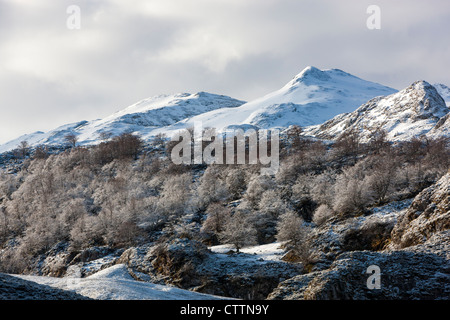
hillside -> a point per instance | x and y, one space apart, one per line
310 98
414 111
141 118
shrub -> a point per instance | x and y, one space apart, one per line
322 214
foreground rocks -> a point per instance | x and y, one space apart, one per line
418 272
415 262
191 265
428 214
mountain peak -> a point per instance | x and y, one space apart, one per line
425 93
422 85
312 97
411 112
311 72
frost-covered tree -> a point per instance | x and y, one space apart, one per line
291 228
257 186
212 188
239 231
217 218
235 181
352 192
322 214
176 196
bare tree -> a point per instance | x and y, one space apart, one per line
215 222
347 144
159 141
41 152
239 231
23 149
294 136
352 192
322 214
291 228
71 139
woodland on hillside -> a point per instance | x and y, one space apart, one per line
124 192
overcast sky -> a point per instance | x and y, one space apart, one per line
128 50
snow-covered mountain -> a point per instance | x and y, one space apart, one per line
414 111
312 97
444 91
142 118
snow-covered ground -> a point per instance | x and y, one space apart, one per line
116 283
265 252
444 91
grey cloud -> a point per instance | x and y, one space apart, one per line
126 51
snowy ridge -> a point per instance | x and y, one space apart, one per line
417 110
324 102
141 118
312 97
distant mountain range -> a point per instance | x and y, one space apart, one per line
324 102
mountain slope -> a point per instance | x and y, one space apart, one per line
444 91
414 111
115 283
312 97
142 118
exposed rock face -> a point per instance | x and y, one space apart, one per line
191 265
444 91
61 261
418 272
428 214
415 264
370 232
416 110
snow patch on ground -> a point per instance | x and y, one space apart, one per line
116 283
266 252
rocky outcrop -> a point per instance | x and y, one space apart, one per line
336 236
414 265
189 264
428 214
419 272
61 260
416 110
